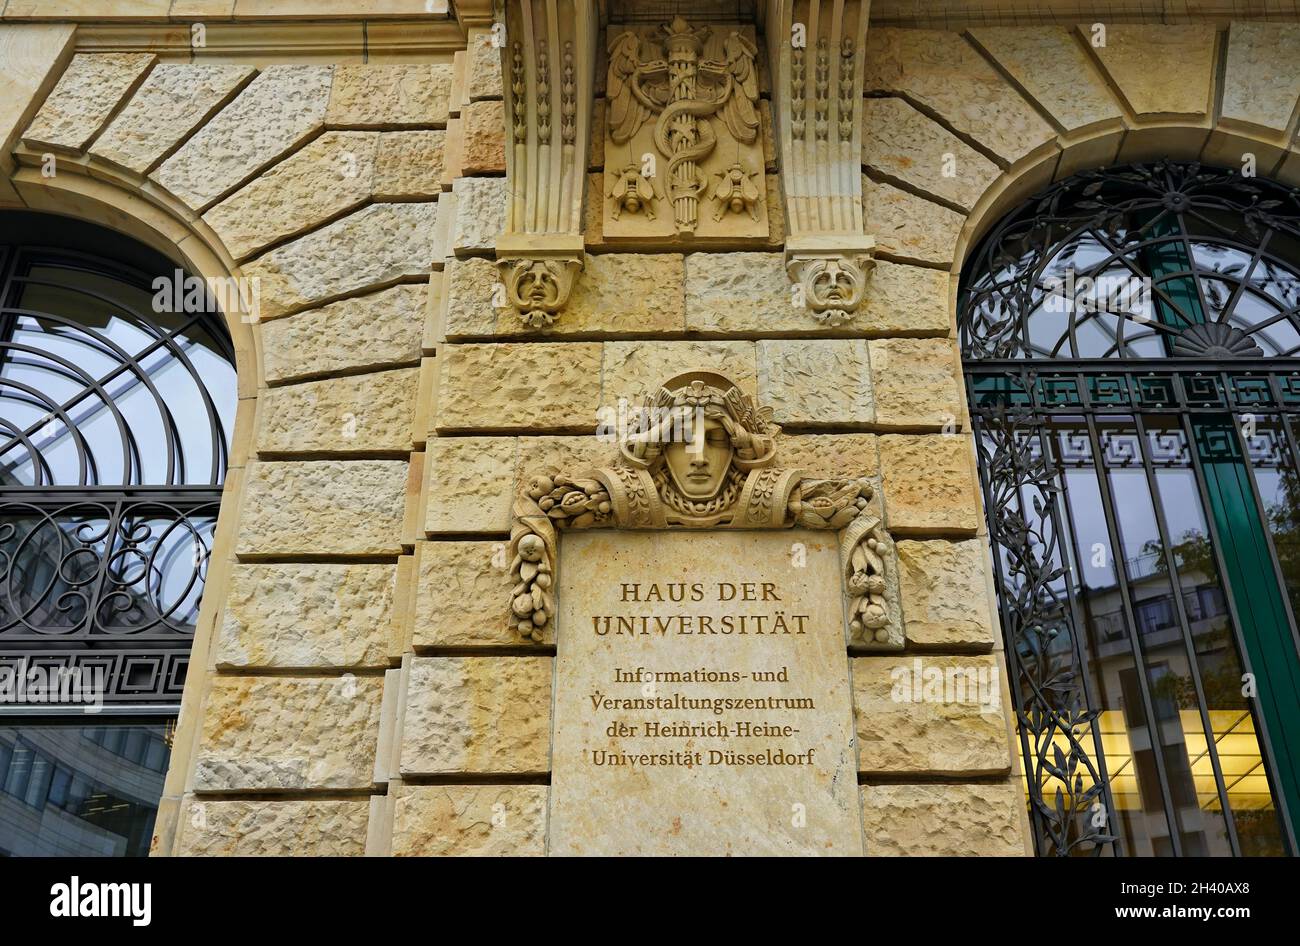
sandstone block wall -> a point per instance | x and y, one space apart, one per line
353 657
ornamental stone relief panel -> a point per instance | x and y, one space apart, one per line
683 150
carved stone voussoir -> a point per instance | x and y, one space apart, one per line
700 454
683 143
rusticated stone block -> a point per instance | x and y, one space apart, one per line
537 387
327 177
483 69
288 616
84 97
908 226
981 820
171 102
852 455
383 96
375 331
819 382
568 454
929 483
409 164
943 73
915 382
280 108
462 598
481 204
480 715
343 507
933 715
470 820
289 733
273 828
1160 70
470 287
1259 88
905 300
900 142
365 413
945 593
398 240
1049 64
741 292
617 294
471 483
635 369
485 138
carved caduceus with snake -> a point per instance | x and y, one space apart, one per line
672 87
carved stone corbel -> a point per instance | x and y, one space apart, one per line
817 49
702 455
548 57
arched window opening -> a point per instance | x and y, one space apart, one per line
1131 343
116 413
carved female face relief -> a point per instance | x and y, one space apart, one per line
698 467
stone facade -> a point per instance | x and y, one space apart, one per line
393 398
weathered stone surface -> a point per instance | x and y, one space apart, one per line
1049 64
618 294
481 204
900 142
346 507
278 109
483 69
289 733
31 55
285 615
470 820
705 804
942 72
463 595
173 100
1160 70
327 177
538 387
908 226
399 241
379 330
409 164
853 455
470 287
981 820
816 382
471 483
565 454
84 97
915 382
906 300
381 96
635 369
365 413
929 483
1259 86
924 714
481 715
945 593
740 292
484 129
273 828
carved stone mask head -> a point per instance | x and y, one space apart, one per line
698 467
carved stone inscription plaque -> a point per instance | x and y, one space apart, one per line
702 699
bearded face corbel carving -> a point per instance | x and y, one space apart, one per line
538 288
833 286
